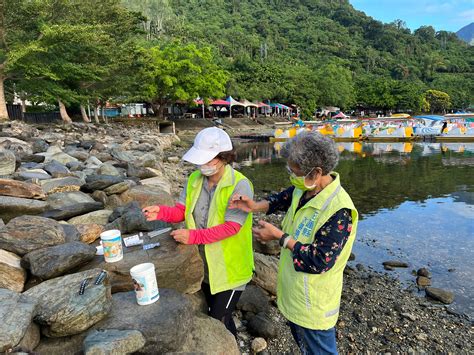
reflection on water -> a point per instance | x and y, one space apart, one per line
416 202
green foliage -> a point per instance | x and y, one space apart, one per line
438 101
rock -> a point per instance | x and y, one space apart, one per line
71 232
93 163
71 345
100 182
12 275
271 247
266 272
108 169
32 158
39 146
32 174
388 267
258 345
62 311
119 188
7 162
65 184
209 336
27 233
17 146
60 157
161 182
122 155
438 294
20 189
254 300
89 233
50 262
16 313
164 324
423 281
11 207
100 196
147 160
261 325
130 218
147 195
140 172
113 341
424 272
97 217
56 169
177 266
70 211
395 263
352 257
61 199
174 159
30 340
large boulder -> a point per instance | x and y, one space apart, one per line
70 211
54 261
147 195
209 336
20 189
164 324
63 184
15 145
61 199
113 341
266 272
16 314
177 266
12 275
62 311
97 217
7 162
27 233
11 207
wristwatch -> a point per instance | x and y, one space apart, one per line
283 238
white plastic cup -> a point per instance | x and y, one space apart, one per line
144 283
112 244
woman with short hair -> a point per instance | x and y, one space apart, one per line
317 234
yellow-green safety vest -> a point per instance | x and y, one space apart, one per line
312 300
230 261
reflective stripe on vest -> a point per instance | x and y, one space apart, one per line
230 261
312 300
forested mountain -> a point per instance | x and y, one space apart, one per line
467 33
318 52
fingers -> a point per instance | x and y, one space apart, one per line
262 223
152 209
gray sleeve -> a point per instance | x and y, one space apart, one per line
235 215
182 195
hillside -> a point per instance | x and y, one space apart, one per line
319 52
467 33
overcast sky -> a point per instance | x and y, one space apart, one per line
448 15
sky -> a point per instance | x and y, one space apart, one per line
447 15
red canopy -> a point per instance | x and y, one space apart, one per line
261 104
220 103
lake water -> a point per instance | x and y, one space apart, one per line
416 202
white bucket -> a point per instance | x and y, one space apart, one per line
144 283
112 244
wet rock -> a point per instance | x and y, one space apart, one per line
16 188
147 195
266 272
177 266
89 233
16 313
100 182
254 300
12 275
119 188
62 311
261 325
424 272
423 281
108 169
164 323
388 267
27 233
65 184
113 341
352 257
70 211
209 336
7 162
56 169
395 263
438 294
97 217
258 345
54 261
61 199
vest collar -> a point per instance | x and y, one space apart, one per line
228 179
324 194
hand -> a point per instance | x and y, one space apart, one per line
266 231
151 212
243 203
181 235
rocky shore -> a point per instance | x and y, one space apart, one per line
61 186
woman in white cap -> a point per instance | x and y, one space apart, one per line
224 235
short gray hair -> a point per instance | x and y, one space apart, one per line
311 150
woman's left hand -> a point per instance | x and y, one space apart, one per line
266 231
181 235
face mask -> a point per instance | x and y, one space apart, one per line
208 170
299 181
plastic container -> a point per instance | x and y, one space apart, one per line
112 244
144 283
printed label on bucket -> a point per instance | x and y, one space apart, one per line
113 248
146 288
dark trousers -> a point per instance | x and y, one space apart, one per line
221 305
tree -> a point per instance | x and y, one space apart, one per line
176 72
336 87
438 101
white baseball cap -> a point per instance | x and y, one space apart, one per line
207 144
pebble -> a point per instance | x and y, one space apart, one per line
424 272
258 345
